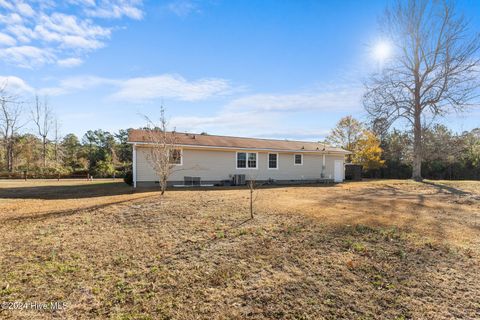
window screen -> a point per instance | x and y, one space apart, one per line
252 160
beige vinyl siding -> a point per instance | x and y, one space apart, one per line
215 165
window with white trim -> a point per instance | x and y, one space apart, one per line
176 156
298 159
273 161
246 160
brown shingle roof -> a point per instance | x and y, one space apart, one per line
192 139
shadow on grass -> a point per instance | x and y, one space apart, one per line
389 206
66 213
52 192
445 188
260 186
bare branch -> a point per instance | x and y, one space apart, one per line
42 116
10 113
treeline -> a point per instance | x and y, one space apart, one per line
445 154
33 146
98 153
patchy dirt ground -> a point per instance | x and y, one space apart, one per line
366 250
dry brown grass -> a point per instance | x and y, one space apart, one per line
367 250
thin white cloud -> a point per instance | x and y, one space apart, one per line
249 124
143 89
269 115
6 5
25 9
15 84
172 86
11 18
26 56
78 83
20 32
246 123
51 28
182 8
117 9
7 40
334 98
69 62
88 3
70 32
295 133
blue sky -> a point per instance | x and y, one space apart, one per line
279 69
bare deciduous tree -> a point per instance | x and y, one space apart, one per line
163 152
433 71
10 112
42 116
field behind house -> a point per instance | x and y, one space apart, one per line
364 250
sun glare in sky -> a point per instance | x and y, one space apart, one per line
382 51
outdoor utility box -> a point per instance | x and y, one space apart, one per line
353 172
238 179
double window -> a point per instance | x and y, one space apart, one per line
246 160
298 159
273 161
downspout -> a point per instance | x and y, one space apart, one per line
323 166
134 165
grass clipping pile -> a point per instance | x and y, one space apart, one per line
195 255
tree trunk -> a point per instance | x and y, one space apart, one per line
10 157
56 153
251 202
7 162
163 185
417 125
44 152
417 149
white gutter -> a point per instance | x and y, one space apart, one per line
323 166
134 164
243 148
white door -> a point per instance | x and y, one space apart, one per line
338 171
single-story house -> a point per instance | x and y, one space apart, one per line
221 160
